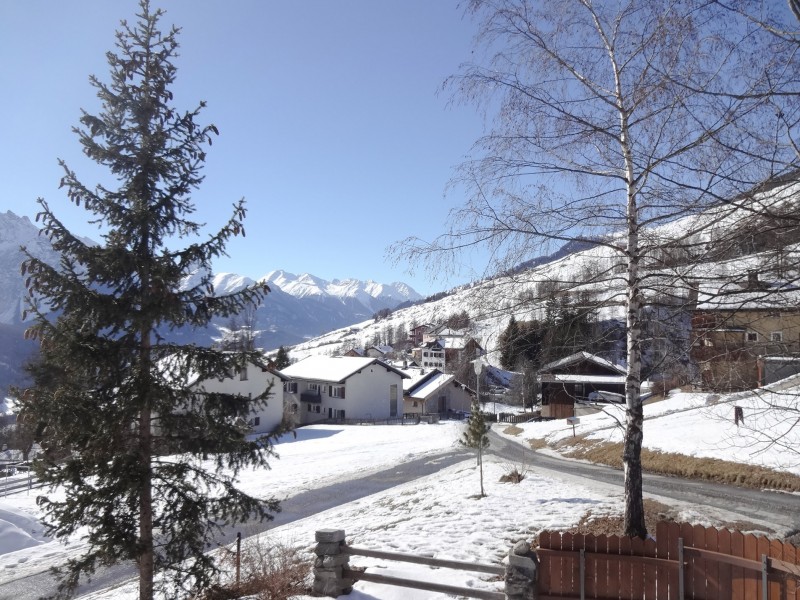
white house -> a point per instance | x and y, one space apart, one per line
343 387
379 351
429 391
252 381
430 354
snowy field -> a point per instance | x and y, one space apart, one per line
440 515
702 425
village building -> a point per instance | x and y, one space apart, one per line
746 338
430 391
343 387
251 380
580 377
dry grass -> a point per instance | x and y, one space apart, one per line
269 571
537 443
513 430
668 463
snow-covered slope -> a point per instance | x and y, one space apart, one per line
590 270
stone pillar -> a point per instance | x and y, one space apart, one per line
330 563
521 573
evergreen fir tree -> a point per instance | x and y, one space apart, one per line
282 358
476 435
509 345
123 430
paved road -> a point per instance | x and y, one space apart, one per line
782 510
298 507
777 509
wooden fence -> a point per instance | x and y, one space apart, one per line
360 575
716 565
518 417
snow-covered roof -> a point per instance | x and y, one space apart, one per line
499 376
445 331
382 349
427 387
172 367
581 356
333 369
732 297
453 343
572 378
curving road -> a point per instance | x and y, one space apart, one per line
778 510
772 509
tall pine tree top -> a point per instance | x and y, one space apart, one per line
131 437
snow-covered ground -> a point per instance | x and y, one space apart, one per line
440 515
702 425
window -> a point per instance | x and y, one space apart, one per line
752 336
318 407
393 400
314 387
776 336
290 387
257 421
243 374
336 391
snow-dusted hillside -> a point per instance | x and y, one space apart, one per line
594 271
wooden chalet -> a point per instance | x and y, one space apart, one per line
573 378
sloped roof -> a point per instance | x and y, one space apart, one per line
382 349
171 368
429 386
424 382
333 369
579 357
572 378
733 297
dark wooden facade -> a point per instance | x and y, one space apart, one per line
571 379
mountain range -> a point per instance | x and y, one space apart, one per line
299 307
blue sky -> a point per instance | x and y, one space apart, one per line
331 124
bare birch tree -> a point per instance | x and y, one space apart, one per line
607 122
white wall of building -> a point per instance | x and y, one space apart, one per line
270 414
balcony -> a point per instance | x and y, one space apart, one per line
311 396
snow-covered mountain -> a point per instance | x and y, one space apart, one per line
374 296
302 307
16 232
297 308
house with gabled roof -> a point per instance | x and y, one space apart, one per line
252 380
379 351
745 335
429 391
343 387
417 333
576 378
429 355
